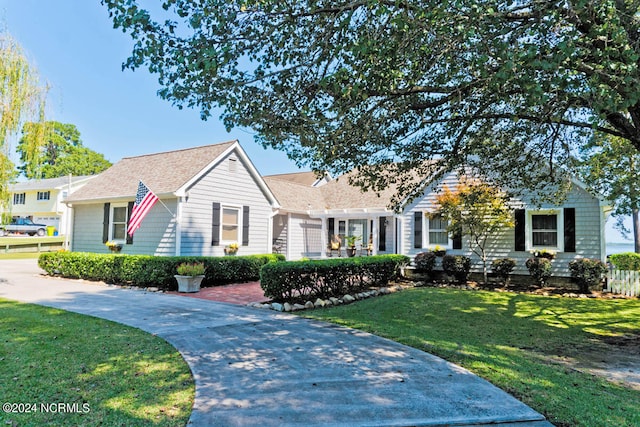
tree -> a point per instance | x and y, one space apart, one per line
21 97
611 167
476 210
53 149
403 86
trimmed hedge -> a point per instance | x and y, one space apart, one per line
587 273
147 270
457 266
629 261
304 280
424 262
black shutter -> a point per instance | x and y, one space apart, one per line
245 225
569 229
105 222
331 228
215 225
382 234
417 230
520 231
129 209
457 240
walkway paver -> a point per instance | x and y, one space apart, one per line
254 367
240 293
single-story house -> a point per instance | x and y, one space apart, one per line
41 200
213 196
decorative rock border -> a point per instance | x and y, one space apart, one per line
330 302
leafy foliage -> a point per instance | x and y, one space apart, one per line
302 280
457 266
146 270
425 261
539 269
626 261
587 272
432 84
54 149
503 267
477 210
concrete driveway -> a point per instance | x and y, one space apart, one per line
254 367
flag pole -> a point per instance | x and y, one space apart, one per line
161 202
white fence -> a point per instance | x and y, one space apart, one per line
624 282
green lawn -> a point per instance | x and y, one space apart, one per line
536 348
102 373
15 242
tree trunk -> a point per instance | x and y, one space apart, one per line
636 229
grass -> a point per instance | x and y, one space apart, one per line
103 372
527 345
17 241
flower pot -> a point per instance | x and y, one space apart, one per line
188 283
351 252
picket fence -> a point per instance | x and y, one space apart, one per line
624 282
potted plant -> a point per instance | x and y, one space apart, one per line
351 245
189 276
231 249
439 251
544 253
113 246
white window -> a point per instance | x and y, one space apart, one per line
230 224
18 198
437 230
544 230
118 223
43 195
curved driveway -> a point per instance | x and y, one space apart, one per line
254 367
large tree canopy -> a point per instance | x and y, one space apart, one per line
53 149
498 85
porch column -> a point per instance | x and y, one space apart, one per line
374 235
323 238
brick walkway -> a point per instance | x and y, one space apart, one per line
241 293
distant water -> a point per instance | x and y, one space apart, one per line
618 247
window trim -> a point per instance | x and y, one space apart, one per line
23 198
426 243
559 213
239 209
40 196
112 223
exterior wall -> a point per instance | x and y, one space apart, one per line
237 189
305 237
156 236
588 232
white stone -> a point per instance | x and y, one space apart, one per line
287 307
334 300
297 307
348 298
277 306
308 304
319 303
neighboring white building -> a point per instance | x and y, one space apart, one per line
42 200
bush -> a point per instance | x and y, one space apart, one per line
147 270
457 266
539 269
303 280
425 261
587 272
503 267
629 261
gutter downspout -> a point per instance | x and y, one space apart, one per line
178 221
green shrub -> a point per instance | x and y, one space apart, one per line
539 269
147 270
587 272
457 266
303 280
424 262
629 261
503 267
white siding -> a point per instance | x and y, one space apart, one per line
230 188
588 231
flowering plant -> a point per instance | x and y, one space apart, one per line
113 246
191 269
544 253
231 248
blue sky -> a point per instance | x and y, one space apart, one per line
73 45
76 50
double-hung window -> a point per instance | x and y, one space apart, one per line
230 224
545 230
43 195
437 226
118 228
19 198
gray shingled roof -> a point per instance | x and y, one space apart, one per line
303 178
163 173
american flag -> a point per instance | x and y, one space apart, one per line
145 199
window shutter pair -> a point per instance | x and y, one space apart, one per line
569 230
105 222
456 239
215 225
